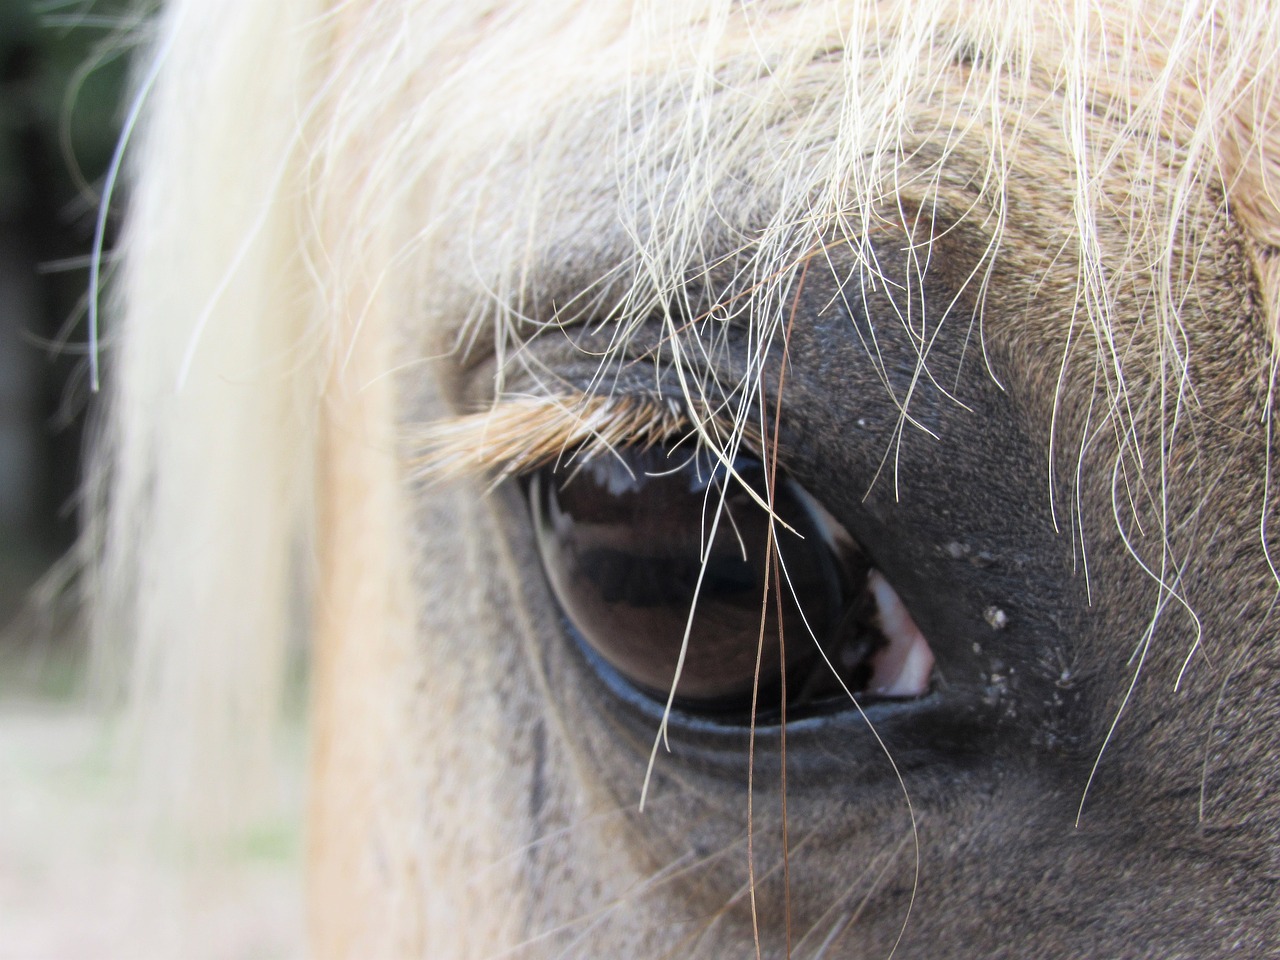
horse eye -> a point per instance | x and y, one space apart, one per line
629 540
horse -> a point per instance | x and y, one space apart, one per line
776 479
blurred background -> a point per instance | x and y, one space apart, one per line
63 73
80 877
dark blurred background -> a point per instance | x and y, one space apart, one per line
63 77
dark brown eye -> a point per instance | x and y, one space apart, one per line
626 538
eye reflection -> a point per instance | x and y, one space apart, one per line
623 539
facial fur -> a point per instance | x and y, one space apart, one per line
995 287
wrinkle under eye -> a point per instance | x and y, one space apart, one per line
623 540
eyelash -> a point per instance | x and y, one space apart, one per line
519 435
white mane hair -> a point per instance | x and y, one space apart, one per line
300 165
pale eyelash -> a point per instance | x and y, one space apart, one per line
520 434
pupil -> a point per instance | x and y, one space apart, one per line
623 540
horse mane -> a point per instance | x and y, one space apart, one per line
295 161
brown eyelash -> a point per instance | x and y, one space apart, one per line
520 434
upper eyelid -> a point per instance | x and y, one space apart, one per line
518 435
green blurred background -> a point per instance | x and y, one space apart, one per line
63 80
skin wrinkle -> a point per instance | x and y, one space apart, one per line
1030 370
